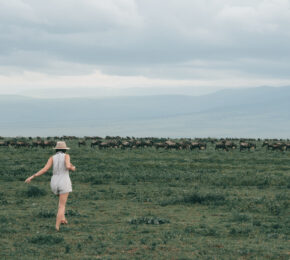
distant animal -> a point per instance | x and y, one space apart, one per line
197 145
148 143
225 145
220 145
19 144
230 145
4 143
193 146
103 145
159 145
202 146
170 145
45 144
275 146
95 143
245 145
183 145
125 144
36 143
81 142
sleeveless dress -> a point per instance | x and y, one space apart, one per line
60 181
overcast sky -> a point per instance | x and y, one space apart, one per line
116 46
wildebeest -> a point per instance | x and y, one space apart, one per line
220 145
19 144
36 143
109 144
48 144
142 143
230 144
245 145
197 145
102 145
81 142
69 137
277 146
95 143
265 143
4 143
193 146
147 143
171 145
202 146
183 145
159 145
43 144
125 144
225 145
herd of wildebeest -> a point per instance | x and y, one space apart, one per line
226 144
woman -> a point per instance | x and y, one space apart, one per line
60 181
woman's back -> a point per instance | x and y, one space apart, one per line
59 166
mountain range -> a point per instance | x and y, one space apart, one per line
262 112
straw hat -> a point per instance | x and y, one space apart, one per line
61 145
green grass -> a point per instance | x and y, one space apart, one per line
148 204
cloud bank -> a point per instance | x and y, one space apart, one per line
133 43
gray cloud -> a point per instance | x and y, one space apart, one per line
155 38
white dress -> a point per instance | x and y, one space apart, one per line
60 181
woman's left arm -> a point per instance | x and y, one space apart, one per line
68 164
42 171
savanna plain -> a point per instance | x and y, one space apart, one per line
148 204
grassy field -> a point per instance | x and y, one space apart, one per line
148 204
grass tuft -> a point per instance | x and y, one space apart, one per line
46 213
3 200
46 239
34 191
148 220
196 198
239 217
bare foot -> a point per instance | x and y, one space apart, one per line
64 221
57 228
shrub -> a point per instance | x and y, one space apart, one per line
7 230
45 213
149 220
3 201
196 197
98 181
46 239
202 230
203 198
34 191
72 213
240 217
240 231
3 219
67 249
277 208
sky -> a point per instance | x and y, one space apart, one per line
131 47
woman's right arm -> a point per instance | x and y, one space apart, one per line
42 171
68 164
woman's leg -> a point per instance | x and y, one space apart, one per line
61 209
